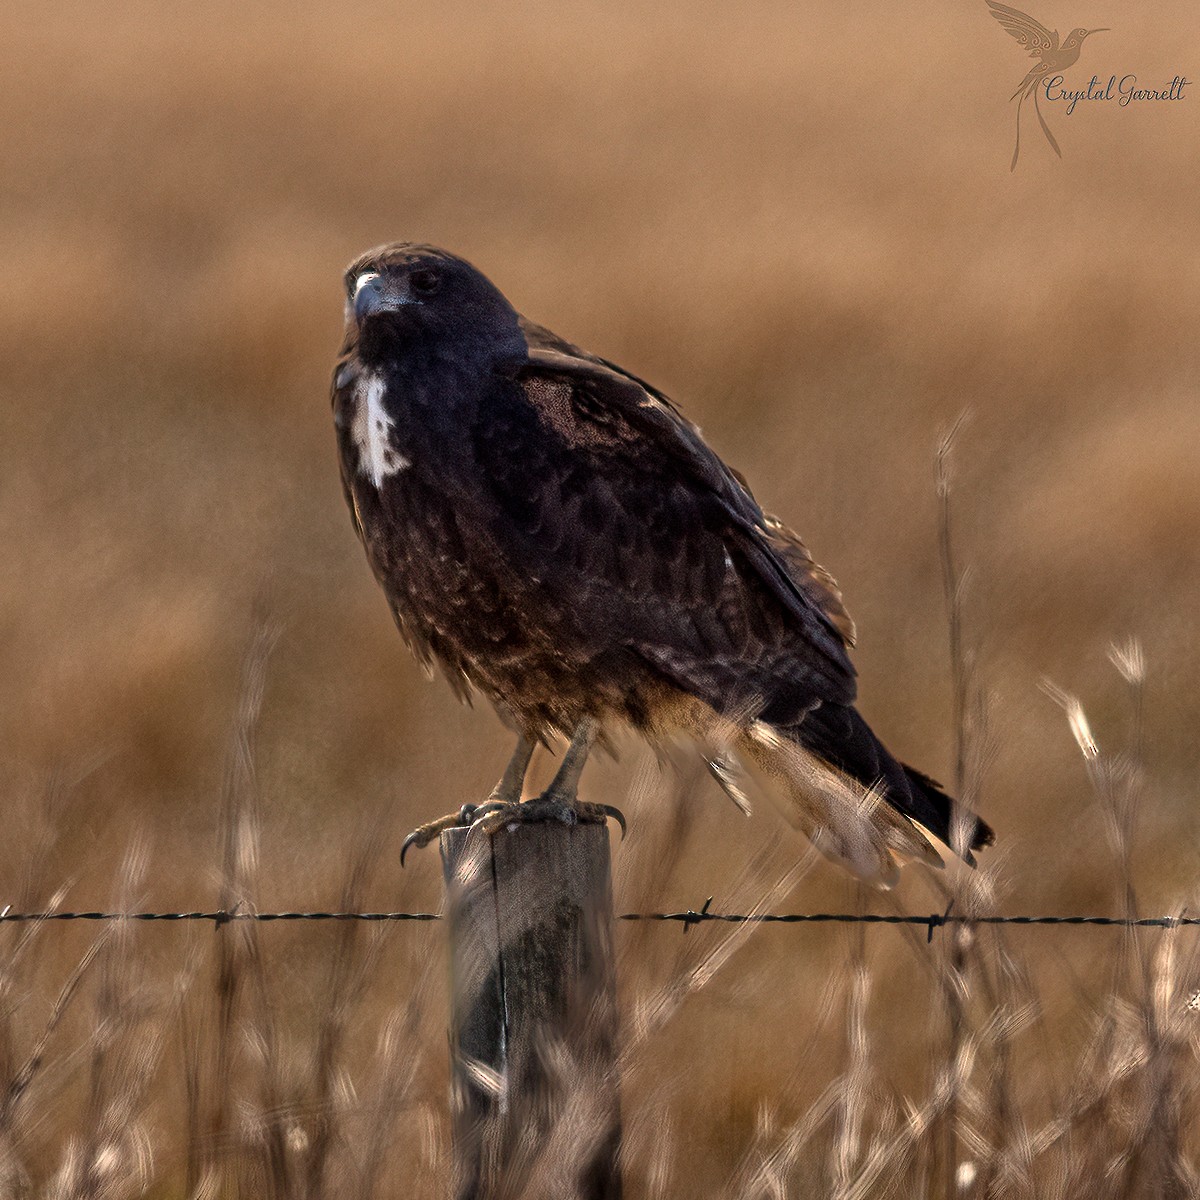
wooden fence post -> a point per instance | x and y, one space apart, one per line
533 1026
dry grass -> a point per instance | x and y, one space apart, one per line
801 224
220 1081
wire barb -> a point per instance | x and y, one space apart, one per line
694 918
936 921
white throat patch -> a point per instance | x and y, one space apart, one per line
377 457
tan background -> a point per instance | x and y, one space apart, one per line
798 220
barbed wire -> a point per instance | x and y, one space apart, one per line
217 916
688 918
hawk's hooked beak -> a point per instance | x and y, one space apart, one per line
373 294
368 295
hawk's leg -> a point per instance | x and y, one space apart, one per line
560 801
507 792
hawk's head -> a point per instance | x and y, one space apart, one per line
402 297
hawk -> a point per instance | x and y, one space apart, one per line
552 533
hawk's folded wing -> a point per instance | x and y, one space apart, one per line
655 533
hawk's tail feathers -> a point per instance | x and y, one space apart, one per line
855 802
852 824
961 829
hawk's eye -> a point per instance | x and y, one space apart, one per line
425 282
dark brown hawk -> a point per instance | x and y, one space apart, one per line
552 533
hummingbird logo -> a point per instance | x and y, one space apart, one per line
1055 58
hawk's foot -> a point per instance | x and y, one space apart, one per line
496 814
424 834
507 791
559 802
491 818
